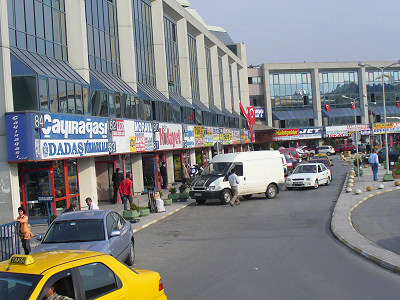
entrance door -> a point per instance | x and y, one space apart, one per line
149 172
37 184
178 167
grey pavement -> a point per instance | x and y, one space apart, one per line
342 223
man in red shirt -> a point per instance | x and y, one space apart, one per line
126 191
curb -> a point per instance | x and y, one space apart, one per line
359 244
160 218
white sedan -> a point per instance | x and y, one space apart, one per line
309 175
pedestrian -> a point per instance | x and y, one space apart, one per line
234 183
373 161
126 191
25 233
91 205
72 207
185 174
117 178
368 148
164 175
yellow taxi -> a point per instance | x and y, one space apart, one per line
324 156
75 274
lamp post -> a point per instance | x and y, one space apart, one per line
354 101
382 69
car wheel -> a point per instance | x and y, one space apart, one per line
131 257
328 181
272 191
316 185
201 201
247 196
226 196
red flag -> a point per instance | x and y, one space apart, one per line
247 119
327 107
251 113
353 105
397 104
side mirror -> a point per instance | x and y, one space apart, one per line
115 233
39 237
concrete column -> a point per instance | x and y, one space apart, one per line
316 95
170 168
201 61
242 54
362 85
215 76
267 98
159 46
127 43
192 156
236 95
184 63
87 180
137 172
9 183
227 83
77 37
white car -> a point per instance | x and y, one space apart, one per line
328 150
309 175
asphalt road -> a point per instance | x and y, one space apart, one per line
262 249
378 220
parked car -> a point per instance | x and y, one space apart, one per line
95 230
343 147
325 149
393 156
309 175
77 275
303 153
293 152
290 162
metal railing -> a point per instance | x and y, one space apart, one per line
9 240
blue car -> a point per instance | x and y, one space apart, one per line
95 230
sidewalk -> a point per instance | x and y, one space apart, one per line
144 222
342 226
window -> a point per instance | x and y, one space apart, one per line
239 169
172 56
98 280
62 284
114 222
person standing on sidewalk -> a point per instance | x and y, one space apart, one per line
234 183
126 191
164 175
24 232
374 161
116 179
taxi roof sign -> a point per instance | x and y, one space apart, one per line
19 259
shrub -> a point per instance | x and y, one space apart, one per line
172 190
183 188
134 207
397 164
274 146
396 172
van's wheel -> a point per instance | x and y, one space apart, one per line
226 196
316 184
247 196
200 201
131 256
272 191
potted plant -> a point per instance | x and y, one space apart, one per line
132 213
396 173
396 165
144 211
183 192
173 195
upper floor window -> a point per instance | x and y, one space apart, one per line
255 80
172 55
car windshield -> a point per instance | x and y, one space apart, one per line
322 161
17 286
75 231
218 169
305 169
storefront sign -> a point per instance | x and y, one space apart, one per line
143 139
286 134
310 133
216 134
226 136
236 136
188 136
199 133
122 131
336 131
167 136
260 112
379 128
19 139
208 137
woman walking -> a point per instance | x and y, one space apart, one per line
24 231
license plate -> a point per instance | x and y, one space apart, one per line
197 194
298 184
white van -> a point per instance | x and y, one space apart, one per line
258 172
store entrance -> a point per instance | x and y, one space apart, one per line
37 184
149 172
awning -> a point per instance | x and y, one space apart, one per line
198 105
149 92
293 115
227 112
237 115
216 110
341 112
105 81
179 99
25 63
390 110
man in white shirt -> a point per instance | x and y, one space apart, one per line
374 161
91 205
234 183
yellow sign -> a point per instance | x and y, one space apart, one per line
21 260
132 144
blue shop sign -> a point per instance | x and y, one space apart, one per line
20 137
260 112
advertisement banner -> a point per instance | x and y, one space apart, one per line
260 112
215 134
18 138
236 136
188 136
226 136
55 149
336 131
310 133
379 128
167 136
122 132
286 134
208 137
143 139
199 134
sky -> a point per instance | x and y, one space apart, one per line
286 31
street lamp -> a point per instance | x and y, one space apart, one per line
382 69
354 101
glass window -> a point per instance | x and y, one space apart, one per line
59 178
24 93
62 92
73 184
71 98
43 95
99 103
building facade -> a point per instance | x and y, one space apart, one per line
88 86
306 102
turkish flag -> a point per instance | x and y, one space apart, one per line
247 119
327 107
251 113
353 105
397 104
